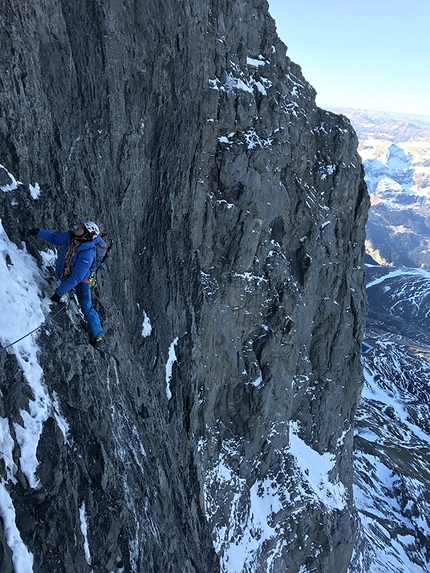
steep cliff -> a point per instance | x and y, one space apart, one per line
220 439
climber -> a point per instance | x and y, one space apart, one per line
73 269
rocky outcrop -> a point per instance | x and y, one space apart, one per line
223 440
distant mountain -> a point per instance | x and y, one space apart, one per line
383 125
396 156
392 434
393 425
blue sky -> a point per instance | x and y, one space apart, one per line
372 54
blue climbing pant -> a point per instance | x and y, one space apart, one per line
83 292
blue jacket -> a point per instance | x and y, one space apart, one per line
82 259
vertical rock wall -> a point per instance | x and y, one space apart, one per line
282 206
237 211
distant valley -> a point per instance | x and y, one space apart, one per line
392 433
396 158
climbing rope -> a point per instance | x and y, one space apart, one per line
141 372
37 328
129 350
139 368
127 346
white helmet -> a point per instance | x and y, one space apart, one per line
92 229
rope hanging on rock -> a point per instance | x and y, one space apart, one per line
129 350
37 328
140 370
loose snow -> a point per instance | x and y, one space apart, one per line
84 531
7 445
256 63
34 190
24 309
253 522
22 559
146 326
169 367
316 470
12 185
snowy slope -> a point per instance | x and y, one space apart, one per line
393 426
304 477
24 309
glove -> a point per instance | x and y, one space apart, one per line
55 297
32 232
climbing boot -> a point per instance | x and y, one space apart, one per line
96 342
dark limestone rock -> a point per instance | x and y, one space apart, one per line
237 210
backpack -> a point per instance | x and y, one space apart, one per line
101 248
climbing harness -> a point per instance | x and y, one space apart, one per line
37 328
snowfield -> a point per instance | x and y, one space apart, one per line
24 309
392 439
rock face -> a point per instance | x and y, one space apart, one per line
223 440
